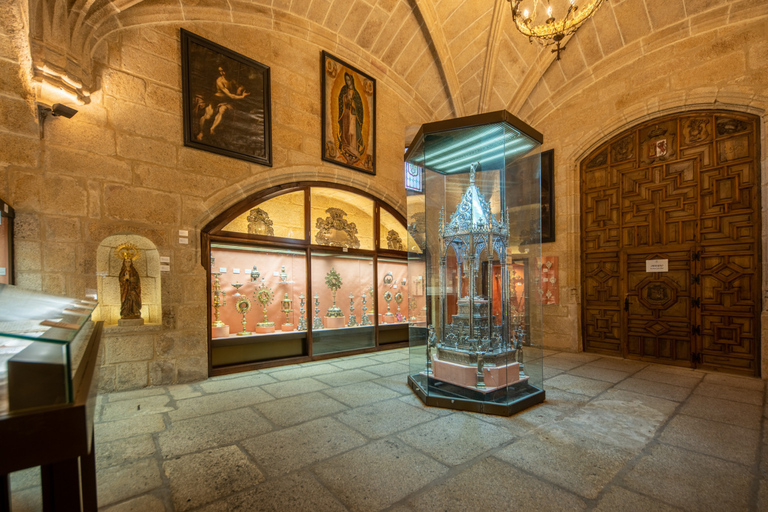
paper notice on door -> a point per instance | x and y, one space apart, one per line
657 265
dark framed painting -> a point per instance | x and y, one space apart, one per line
548 196
348 115
226 101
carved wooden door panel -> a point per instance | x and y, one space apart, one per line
658 307
685 189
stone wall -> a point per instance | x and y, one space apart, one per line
119 166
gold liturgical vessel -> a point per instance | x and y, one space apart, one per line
219 300
264 297
286 306
243 306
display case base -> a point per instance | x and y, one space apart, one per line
130 322
264 329
220 332
500 402
335 322
466 376
287 327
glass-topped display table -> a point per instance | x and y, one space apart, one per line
475 223
49 352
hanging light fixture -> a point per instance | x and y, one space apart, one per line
554 29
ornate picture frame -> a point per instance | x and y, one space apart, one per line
348 115
548 196
226 101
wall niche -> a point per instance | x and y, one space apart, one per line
108 266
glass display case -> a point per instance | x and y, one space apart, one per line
258 291
304 272
6 243
473 231
42 341
342 304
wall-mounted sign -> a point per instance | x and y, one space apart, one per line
657 265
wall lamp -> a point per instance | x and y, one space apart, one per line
56 110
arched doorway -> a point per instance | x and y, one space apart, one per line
670 237
305 271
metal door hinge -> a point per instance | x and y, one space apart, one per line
696 255
696 330
696 279
697 358
696 303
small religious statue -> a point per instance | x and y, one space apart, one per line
431 343
130 286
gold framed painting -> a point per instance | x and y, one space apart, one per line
348 115
226 99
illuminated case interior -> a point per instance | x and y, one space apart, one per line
474 237
306 272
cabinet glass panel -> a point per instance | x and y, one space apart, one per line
392 233
341 219
42 340
257 296
481 224
281 216
393 296
342 286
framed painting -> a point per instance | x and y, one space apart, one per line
226 101
348 116
548 196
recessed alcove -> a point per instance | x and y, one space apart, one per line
108 266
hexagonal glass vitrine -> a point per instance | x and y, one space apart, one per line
476 232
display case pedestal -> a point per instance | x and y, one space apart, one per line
287 327
264 329
335 322
466 376
220 332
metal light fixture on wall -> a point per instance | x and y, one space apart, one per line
553 29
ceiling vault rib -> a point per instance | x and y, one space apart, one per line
445 62
491 55
531 78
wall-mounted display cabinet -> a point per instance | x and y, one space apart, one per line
7 275
475 343
306 271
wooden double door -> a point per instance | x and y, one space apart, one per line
670 241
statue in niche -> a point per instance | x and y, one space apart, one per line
259 223
130 283
336 231
394 241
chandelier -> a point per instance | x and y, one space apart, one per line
553 29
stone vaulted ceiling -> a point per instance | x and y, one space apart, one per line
451 57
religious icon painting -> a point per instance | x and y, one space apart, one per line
226 99
349 115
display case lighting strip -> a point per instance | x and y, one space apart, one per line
257 249
452 156
512 147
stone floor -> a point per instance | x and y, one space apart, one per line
348 434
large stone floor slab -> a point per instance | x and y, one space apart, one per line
348 434
375 476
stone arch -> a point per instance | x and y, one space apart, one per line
108 267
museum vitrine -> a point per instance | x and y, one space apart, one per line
473 231
305 271
42 339
6 243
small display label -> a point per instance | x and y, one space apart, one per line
235 270
165 259
223 270
657 265
183 241
275 274
164 267
183 232
2 271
